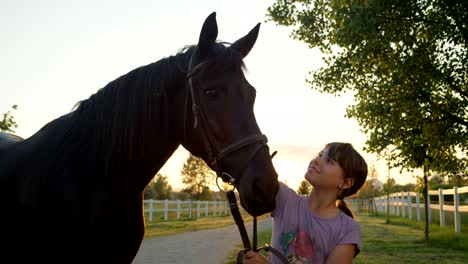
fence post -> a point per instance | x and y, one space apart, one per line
410 207
428 204
389 205
441 207
166 209
402 204
418 208
178 209
198 209
206 208
456 212
214 208
225 208
397 205
190 208
150 210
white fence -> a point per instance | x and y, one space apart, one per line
402 204
192 208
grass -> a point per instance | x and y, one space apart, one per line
171 227
262 239
401 241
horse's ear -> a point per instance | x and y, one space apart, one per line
208 35
245 44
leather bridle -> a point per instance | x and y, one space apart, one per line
215 154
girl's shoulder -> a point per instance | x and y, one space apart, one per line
284 199
349 222
286 192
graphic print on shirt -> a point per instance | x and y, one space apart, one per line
297 247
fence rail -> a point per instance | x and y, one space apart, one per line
192 208
406 204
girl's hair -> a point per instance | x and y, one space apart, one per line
354 167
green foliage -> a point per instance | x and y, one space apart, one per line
147 193
158 188
370 189
436 181
406 62
394 187
304 188
8 123
182 195
197 177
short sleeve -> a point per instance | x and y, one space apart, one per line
284 194
352 235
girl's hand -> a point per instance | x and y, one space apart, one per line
252 257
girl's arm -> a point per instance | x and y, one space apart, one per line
342 254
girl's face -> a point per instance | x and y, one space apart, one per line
324 172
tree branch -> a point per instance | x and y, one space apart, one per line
458 23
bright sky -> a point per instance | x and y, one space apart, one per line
56 53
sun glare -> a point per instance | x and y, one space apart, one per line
290 172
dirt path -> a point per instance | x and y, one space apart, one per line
206 246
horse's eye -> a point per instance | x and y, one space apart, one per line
211 92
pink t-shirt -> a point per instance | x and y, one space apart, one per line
304 237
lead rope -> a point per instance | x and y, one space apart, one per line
243 232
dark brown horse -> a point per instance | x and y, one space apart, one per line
72 192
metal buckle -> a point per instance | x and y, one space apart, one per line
231 182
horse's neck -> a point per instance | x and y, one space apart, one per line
140 138
121 142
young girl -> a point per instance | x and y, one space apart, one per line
319 228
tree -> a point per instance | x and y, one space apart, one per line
8 123
160 187
458 180
148 193
369 190
197 177
406 62
304 188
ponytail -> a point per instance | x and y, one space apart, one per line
344 208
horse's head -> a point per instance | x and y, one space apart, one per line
219 120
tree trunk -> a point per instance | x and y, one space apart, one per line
426 205
388 196
372 201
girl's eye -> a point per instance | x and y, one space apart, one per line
211 92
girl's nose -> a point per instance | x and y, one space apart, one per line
312 162
318 160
